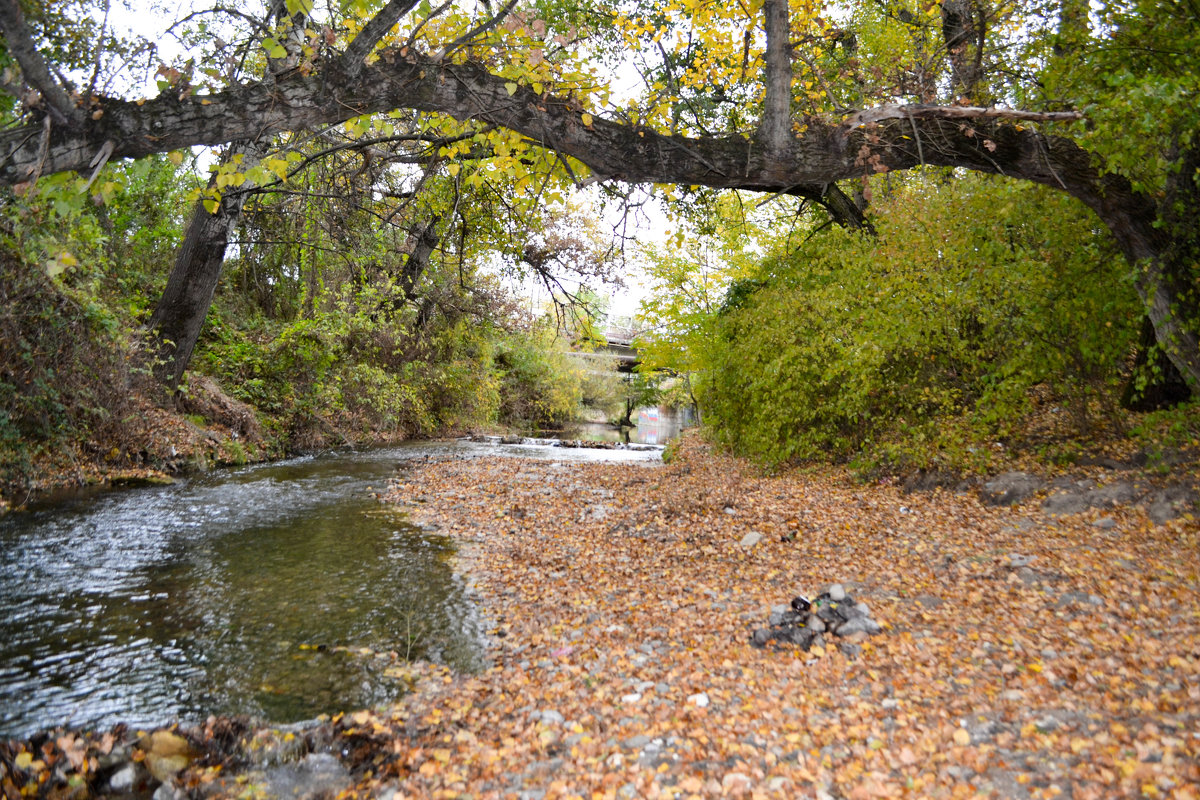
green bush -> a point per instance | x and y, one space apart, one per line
922 345
540 386
65 367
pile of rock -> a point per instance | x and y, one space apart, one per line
833 613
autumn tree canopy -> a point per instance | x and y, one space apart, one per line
798 98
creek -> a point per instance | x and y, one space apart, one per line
279 591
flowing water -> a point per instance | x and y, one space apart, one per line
281 591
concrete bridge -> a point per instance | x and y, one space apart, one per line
618 342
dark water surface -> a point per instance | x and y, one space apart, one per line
265 590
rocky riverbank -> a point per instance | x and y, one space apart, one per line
1019 654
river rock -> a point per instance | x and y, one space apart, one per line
316 775
129 779
806 622
751 539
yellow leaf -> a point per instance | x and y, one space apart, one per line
587 119
511 88
23 760
961 737
175 157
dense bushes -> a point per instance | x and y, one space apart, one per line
928 343
65 368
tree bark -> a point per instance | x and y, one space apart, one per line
179 316
60 105
963 31
423 239
775 128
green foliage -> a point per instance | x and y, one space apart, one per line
1164 434
921 346
540 385
1137 76
64 372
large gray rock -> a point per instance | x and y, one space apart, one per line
1120 493
1064 503
1010 488
1083 495
1171 503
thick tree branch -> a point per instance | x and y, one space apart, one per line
33 67
823 155
354 58
775 128
874 141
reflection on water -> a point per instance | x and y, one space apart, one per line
655 425
231 593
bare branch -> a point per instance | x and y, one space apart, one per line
479 29
895 111
416 31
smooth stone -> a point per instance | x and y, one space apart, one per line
837 593
127 779
852 626
751 539
315 775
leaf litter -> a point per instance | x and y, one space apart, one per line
1022 655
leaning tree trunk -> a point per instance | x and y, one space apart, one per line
179 316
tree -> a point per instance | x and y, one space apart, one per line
494 70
